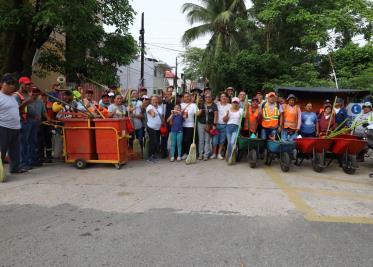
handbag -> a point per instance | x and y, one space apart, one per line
163 130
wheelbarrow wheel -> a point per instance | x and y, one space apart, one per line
80 164
285 162
316 163
239 155
268 158
350 165
252 158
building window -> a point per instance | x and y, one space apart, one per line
155 71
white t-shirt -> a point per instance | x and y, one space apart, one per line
119 111
154 122
9 112
235 117
222 111
191 109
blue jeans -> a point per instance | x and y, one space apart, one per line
176 142
221 137
139 133
232 131
266 132
29 143
288 135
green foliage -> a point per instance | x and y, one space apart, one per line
69 34
193 61
285 43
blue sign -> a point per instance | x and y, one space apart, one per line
356 109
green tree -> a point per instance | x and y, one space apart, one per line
218 18
193 61
27 26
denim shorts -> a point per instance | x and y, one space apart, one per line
221 137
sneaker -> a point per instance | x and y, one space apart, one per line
200 157
150 160
205 158
21 170
178 158
172 159
184 156
220 157
213 156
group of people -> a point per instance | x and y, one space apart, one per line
170 123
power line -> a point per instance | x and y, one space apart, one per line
166 48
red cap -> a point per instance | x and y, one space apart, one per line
24 80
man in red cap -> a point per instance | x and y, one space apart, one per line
36 112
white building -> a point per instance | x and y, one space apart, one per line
154 75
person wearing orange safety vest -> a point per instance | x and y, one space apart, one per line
252 117
270 114
290 120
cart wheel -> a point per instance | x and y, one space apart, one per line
118 166
350 165
371 175
80 164
239 155
268 158
285 162
316 163
349 170
252 158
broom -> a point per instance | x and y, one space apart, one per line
192 156
2 171
232 156
136 143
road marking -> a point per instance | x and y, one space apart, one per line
292 194
334 193
335 179
309 213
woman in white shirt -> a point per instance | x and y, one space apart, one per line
189 110
233 119
154 122
218 141
117 109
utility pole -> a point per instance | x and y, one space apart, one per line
175 78
142 41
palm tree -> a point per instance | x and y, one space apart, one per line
218 18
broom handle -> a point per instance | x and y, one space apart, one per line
331 115
195 123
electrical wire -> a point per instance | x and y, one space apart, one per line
166 48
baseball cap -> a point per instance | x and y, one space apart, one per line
271 94
367 104
35 90
254 99
339 100
145 97
291 96
230 88
235 99
111 94
24 80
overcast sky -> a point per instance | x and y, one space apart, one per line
164 27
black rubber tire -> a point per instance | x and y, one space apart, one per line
268 159
350 166
349 170
285 162
316 163
80 164
253 157
239 155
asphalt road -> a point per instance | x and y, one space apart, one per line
176 215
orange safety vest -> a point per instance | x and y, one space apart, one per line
251 121
270 118
290 117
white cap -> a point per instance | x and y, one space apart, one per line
367 104
111 94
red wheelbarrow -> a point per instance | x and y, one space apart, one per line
345 150
315 149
